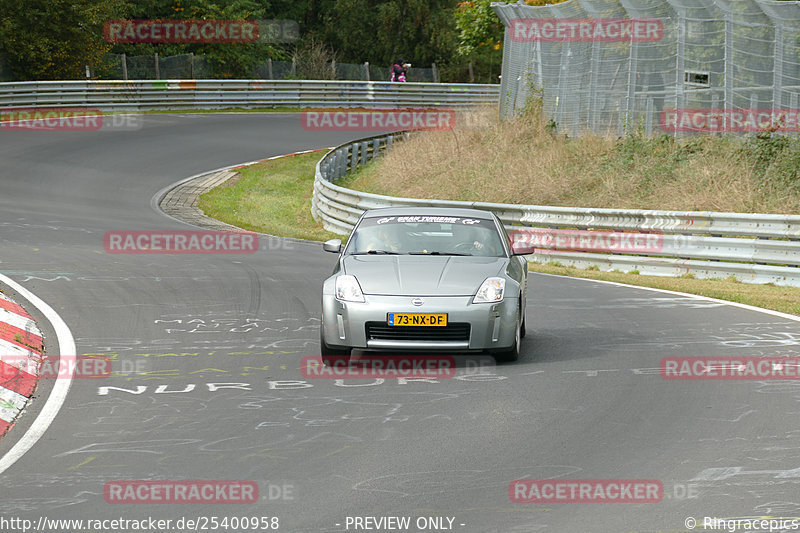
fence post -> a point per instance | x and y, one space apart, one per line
728 66
333 69
191 65
294 66
435 73
648 121
594 74
471 73
680 68
366 70
269 68
715 105
777 80
124 62
630 101
562 96
158 72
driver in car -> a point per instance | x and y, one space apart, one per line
467 241
383 240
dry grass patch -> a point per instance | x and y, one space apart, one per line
522 161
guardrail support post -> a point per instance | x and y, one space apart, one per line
335 165
353 157
342 160
376 148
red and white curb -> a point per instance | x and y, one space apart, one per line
21 346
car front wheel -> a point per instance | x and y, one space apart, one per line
331 355
511 354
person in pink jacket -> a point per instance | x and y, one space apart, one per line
399 70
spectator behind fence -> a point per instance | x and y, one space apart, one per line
399 70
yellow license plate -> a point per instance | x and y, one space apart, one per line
416 319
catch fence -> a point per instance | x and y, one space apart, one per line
707 66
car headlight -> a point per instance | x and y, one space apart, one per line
491 291
348 289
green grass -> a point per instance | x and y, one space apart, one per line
272 197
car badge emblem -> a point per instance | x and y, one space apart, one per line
417 301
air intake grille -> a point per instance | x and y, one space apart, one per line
451 332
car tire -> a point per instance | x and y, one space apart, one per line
523 327
331 355
511 354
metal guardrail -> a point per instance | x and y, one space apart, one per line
752 247
211 94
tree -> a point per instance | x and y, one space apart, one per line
54 39
224 60
420 31
478 26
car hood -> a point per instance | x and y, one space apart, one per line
418 275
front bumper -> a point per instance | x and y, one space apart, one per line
491 325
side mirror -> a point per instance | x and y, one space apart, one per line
333 245
522 250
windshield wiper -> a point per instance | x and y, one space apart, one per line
376 252
436 253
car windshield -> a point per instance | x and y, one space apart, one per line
426 235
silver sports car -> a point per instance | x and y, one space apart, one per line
425 279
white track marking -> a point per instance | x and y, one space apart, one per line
686 294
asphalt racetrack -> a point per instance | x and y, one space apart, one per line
208 386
